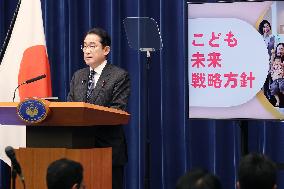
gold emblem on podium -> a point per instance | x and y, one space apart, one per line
32 110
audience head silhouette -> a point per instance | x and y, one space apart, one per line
256 171
198 179
65 174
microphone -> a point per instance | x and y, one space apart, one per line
15 164
34 79
27 82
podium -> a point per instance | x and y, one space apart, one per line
66 132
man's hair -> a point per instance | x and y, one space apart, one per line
105 38
198 179
261 25
256 171
63 174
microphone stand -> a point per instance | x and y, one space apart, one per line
14 175
14 94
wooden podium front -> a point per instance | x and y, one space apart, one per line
97 164
66 132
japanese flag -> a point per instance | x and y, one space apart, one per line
24 58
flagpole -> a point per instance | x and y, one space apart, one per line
10 29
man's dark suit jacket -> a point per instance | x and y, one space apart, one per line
111 90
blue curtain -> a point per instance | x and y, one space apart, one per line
177 144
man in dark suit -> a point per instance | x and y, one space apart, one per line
104 84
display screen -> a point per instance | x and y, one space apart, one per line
236 60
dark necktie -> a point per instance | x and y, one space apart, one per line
91 84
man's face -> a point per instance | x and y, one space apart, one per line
94 52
